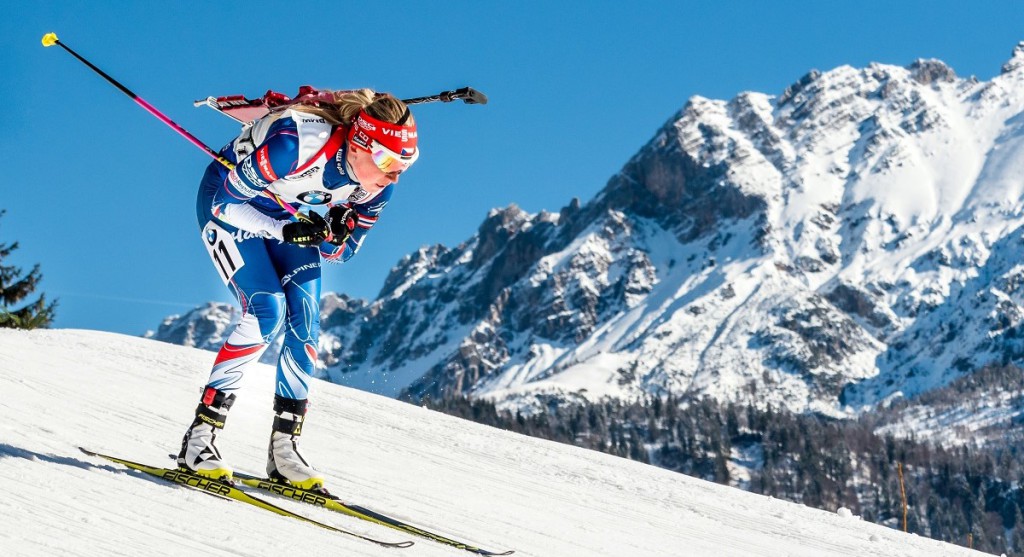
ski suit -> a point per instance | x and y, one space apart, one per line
301 158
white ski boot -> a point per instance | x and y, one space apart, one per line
199 452
284 462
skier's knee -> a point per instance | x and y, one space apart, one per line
269 310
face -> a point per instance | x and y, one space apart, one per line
371 178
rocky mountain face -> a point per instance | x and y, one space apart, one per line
853 239
206 326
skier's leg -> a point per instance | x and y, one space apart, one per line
300 271
263 314
254 282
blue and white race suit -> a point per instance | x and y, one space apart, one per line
300 158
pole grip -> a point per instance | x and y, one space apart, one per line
467 95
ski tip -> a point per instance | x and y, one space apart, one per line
50 39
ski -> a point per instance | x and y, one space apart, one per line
328 501
228 491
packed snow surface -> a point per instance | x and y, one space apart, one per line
132 397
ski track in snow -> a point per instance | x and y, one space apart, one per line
133 397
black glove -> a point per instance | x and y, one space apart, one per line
309 231
342 221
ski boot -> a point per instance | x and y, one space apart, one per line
198 453
284 462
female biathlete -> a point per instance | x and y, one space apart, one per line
345 153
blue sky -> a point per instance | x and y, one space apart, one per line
102 195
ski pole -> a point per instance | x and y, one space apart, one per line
467 95
51 39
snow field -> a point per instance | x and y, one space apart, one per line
133 397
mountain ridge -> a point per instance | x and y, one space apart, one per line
801 250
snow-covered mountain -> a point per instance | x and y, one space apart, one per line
206 326
854 238
65 388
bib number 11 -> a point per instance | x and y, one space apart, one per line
221 245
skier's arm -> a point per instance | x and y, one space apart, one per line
368 214
273 158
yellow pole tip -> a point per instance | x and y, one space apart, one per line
49 39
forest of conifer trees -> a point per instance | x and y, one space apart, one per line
961 494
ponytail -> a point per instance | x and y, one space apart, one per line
340 108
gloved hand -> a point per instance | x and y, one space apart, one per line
342 221
310 231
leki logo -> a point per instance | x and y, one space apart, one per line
366 125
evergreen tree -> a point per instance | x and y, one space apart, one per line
15 286
952 491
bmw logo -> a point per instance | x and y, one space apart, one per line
211 236
315 197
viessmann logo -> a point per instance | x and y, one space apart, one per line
403 134
263 160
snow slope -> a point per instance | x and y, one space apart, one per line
133 397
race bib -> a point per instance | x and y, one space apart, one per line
221 245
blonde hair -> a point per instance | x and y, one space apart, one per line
342 107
